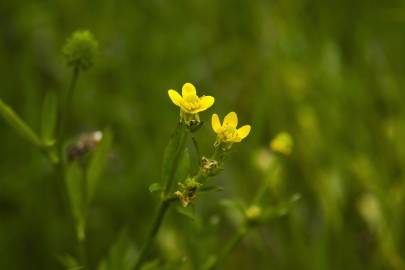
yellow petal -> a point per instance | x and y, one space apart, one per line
231 119
216 124
188 90
244 131
206 102
175 97
234 139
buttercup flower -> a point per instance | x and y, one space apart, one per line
253 212
282 144
227 132
190 104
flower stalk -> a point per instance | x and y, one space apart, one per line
173 154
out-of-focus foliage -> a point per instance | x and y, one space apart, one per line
328 72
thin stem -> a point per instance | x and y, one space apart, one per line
266 183
180 135
82 252
197 148
218 260
181 144
65 102
82 236
164 205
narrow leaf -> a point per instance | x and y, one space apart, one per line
211 188
97 163
172 155
18 124
75 189
188 212
155 187
49 117
69 262
183 168
122 254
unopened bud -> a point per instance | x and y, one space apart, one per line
80 50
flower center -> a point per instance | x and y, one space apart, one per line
230 132
191 102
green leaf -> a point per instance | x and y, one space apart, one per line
97 163
69 262
155 187
211 188
172 156
152 265
188 212
75 189
49 118
282 209
122 254
234 205
18 124
183 168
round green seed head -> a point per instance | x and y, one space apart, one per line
80 50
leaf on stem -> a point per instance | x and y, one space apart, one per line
211 188
188 212
18 124
97 163
122 254
69 262
172 155
49 118
75 189
183 168
155 187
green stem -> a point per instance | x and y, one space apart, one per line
265 184
180 138
82 253
65 102
197 148
164 205
65 106
217 261
82 237
183 134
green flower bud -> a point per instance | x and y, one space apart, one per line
80 50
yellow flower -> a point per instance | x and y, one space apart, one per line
282 143
253 212
189 102
227 132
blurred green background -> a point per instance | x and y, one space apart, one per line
328 72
